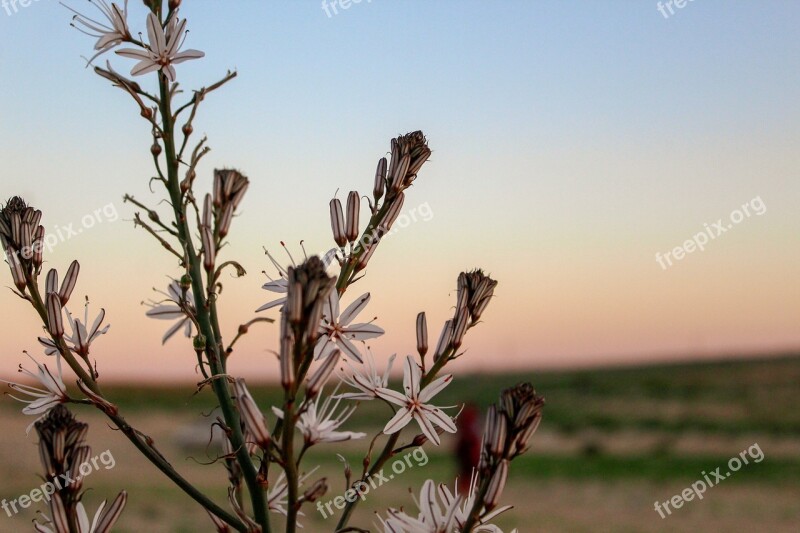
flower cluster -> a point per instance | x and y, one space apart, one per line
63 449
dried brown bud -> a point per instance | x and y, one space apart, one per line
187 129
155 149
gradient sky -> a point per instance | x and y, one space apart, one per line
572 142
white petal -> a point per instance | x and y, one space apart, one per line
411 377
361 332
398 421
432 389
392 396
354 309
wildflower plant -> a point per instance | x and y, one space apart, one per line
320 336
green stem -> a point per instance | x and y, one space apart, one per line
204 318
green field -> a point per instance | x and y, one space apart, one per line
613 442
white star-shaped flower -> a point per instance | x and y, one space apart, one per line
320 424
81 339
109 33
450 516
337 330
414 403
175 309
431 519
162 52
365 378
41 399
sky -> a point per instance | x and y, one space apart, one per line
575 145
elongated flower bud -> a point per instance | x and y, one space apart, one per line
112 513
225 221
80 455
497 433
286 354
51 282
444 340
363 260
380 179
253 418
399 177
422 334
17 273
208 211
38 247
69 282
393 212
55 322
460 328
337 222
496 485
353 208
320 377
209 250
26 241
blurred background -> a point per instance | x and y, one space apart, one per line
577 146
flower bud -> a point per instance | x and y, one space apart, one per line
55 321
51 282
380 180
69 282
209 248
337 222
208 211
38 247
17 273
399 177
365 256
225 221
253 418
320 377
26 241
422 334
155 149
353 208
460 328
393 212
496 485
187 129
444 340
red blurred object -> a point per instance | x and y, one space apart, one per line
468 445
